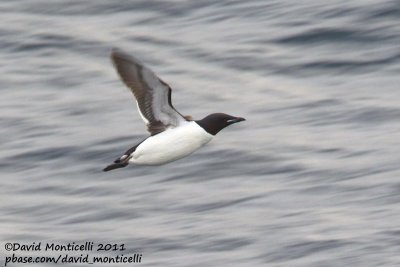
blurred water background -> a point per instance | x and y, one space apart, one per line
310 179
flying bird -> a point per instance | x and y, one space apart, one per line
172 135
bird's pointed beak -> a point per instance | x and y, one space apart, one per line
237 119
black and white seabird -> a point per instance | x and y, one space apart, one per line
172 135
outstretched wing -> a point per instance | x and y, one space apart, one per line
153 96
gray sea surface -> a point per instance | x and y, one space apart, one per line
311 178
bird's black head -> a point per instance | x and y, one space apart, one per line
215 122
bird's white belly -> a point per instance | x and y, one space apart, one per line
171 145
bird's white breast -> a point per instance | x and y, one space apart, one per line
171 144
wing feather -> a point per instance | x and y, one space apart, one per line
153 96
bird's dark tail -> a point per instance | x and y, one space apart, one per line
123 160
115 166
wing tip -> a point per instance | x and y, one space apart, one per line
118 56
117 53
